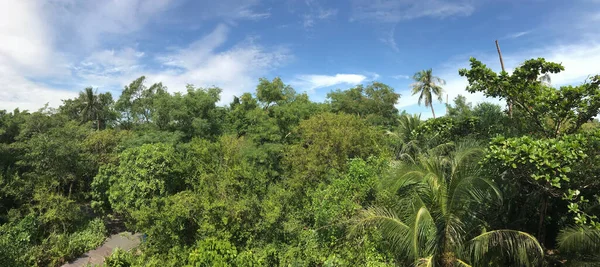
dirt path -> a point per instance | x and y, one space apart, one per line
124 240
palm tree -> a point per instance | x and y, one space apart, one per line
580 245
91 106
438 218
427 85
406 136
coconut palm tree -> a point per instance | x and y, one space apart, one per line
437 220
427 85
91 106
406 135
580 245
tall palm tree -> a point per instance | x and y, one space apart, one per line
438 218
427 85
91 106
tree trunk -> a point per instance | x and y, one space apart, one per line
510 105
541 226
432 112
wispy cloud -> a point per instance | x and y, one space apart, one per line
389 39
253 15
314 81
579 59
398 10
90 22
35 58
27 51
401 77
517 35
316 12
203 63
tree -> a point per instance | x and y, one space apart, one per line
407 143
375 102
332 139
438 218
461 109
427 85
136 103
196 113
547 176
273 92
551 111
91 106
143 173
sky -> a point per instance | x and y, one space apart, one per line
50 50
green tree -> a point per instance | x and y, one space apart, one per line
273 92
91 106
427 85
437 220
406 140
461 108
143 173
551 111
327 141
196 113
136 103
547 176
375 102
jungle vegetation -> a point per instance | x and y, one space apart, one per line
275 179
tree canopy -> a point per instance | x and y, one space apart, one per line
276 179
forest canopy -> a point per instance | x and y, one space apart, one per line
275 179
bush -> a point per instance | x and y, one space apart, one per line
119 258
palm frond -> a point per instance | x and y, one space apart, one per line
424 262
514 247
579 241
426 84
423 233
460 263
394 230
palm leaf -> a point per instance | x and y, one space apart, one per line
518 248
425 262
581 244
394 230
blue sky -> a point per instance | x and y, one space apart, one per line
52 49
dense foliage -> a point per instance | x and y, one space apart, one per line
275 179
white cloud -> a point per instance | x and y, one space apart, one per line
26 44
312 82
401 77
18 92
235 70
397 10
31 57
26 50
252 15
389 39
579 59
517 35
315 13
230 10
203 63
93 21
109 68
